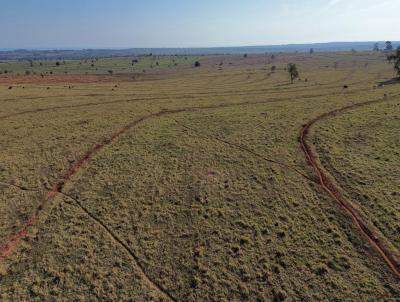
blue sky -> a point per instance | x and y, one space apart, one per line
190 23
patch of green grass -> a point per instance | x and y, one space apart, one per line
122 65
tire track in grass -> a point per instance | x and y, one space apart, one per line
245 149
20 188
15 240
333 190
116 239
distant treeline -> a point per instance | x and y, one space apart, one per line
101 53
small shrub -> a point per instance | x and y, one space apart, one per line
244 240
280 295
321 269
236 249
281 234
293 72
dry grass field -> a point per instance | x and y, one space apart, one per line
191 184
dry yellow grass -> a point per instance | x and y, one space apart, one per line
210 199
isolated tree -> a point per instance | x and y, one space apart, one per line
293 72
395 59
376 47
197 64
389 46
311 51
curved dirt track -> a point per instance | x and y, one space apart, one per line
247 150
13 242
372 237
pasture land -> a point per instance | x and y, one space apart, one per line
190 184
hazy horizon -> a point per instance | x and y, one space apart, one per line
122 24
202 47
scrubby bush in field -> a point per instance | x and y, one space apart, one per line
389 46
395 58
293 72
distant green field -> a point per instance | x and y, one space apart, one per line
197 188
94 66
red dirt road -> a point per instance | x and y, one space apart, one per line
14 240
329 187
392 260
